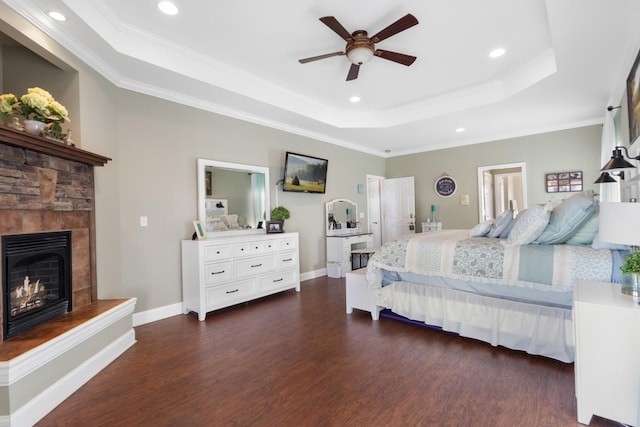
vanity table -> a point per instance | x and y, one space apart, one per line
344 234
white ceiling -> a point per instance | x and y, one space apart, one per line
564 64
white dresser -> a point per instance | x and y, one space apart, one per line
224 271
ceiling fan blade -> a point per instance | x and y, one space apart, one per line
333 23
401 24
317 58
353 72
400 58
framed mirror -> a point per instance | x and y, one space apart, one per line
342 217
233 198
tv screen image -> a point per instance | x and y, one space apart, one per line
305 174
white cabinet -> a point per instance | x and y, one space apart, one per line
431 226
224 271
339 248
607 373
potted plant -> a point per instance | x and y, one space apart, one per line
278 215
631 274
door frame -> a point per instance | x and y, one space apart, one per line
483 169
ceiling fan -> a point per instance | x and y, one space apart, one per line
361 48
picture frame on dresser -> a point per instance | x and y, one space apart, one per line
199 230
275 226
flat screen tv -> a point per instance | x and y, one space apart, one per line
304 174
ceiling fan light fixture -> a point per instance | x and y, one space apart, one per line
360 55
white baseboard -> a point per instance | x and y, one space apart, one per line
156 314
46 401
313 274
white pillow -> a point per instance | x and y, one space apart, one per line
481 229
501 223
531 223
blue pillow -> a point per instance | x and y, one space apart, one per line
501 223
481 229
567 218
586 233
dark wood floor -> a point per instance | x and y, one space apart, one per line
299 360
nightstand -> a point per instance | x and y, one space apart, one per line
431 226
606 327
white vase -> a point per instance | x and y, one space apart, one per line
34 127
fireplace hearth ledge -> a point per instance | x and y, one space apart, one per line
17 371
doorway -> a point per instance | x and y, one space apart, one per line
391 207
501 187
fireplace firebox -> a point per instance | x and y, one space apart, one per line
36 279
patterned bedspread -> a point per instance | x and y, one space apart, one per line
452 253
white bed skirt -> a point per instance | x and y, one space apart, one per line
540 330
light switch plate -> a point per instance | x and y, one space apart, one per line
144 221
464 199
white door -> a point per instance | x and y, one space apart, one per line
373 207
398 207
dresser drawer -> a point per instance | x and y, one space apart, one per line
217 272
278 280
217 252
288 244
287 260
256 265
270 246
216 296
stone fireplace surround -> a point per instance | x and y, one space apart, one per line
48 186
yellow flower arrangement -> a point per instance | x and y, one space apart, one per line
7 105
38 104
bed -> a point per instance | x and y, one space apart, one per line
499 287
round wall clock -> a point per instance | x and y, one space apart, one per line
445 186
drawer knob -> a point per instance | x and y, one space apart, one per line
286 260
256 265
233 291
278 280
217 272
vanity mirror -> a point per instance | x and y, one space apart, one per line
342 217
233 198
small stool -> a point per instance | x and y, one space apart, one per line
361 256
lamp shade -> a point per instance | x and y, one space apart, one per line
604 178
617 162
620 223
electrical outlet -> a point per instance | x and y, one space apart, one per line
361 215
144 221
464 199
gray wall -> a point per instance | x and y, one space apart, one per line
561 151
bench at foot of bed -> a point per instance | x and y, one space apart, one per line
360 296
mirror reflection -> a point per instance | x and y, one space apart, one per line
342 217
232 197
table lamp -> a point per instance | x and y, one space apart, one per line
620 223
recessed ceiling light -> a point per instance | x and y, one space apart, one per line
354 99
497 53
57 16
168 8
460 130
